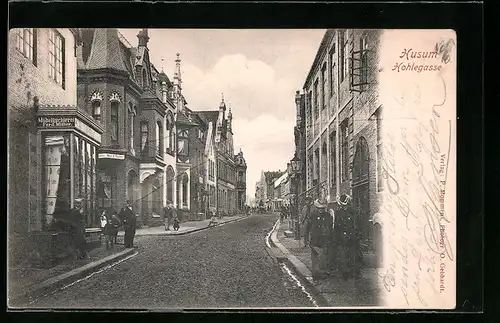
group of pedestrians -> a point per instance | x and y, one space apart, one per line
111 221
333 232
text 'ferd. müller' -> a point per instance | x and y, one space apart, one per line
410 54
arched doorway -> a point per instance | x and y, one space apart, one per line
361 185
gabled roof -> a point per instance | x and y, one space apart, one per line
106 51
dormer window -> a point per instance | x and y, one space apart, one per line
144 78
96 100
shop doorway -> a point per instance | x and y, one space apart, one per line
132 186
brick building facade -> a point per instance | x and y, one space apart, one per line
337 133
45 129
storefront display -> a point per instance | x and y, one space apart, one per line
65 182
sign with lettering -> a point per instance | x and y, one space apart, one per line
111 156
56 122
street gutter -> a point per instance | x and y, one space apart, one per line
55 283
291 262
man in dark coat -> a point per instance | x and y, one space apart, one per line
347 235
168 215
127 217
77 219
320 235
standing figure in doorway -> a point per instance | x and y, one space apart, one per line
127 217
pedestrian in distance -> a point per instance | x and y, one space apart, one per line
168 214
128 218
306 219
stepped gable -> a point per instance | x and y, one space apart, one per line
106 51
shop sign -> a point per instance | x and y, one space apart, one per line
111 156
56 122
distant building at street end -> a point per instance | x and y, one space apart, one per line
221 152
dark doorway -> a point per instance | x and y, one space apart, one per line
361 186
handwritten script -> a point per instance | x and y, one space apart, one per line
418 150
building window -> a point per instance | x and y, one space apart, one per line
114 121
332 70
144 78
345 150
182 143
363 47
96 110
333 158
316 164
144 138
56 57
344 55
131 118
309 107
26 43
159 139
316 100
323 85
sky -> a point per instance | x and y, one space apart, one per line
257 70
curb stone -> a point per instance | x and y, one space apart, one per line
52 284
298 267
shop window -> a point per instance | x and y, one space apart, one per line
57 176
26 43
114 121
56 57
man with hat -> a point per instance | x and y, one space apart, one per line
320 234
77 218
347 237
168 215
127 217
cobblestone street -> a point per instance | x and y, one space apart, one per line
226 266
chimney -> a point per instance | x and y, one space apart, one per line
143 37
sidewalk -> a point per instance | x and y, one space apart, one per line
335 290
185 227
25 282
